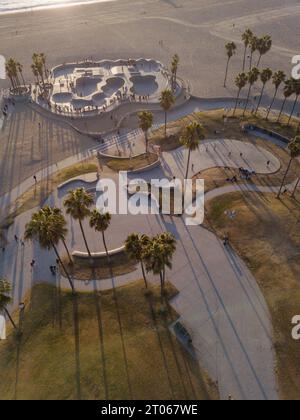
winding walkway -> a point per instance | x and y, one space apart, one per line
219 300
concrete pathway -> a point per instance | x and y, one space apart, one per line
219 300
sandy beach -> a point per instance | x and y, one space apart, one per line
195 29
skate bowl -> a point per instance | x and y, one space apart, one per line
144 85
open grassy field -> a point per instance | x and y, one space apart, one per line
266 234
109 345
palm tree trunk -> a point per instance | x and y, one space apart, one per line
226 72
258 63
260 98
251 59
23 80
284 178
244 60
10 318
296 186
246 106
188 165
161 283
166 120
146 140
272 103
294 106
144 274
64 268
67 251
281 110
84 238
105 246
236 102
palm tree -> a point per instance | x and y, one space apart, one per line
168 241
265 77
13 68
190 139
264 45
35 73
77 204
100 222
230 51
135 246
5 299
61 225
287 92
277 79
246 37
44 228
253 48
174 70
38 63
294 148
296 91
252 78
240 82
20 70
167 99
145 123
158 256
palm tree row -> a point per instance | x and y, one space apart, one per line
291 87
39 68
154 254
14 71
253 44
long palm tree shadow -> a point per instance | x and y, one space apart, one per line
156 329
101 338
121 332
77 346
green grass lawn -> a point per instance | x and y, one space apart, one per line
266 235
108 345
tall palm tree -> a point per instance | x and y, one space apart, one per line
145 123
45 229
5 299
35 73
240 82
230 48
287 92
78 204
277 80
294 148
135 246
174 70
264 45
100 222
252 78
20 70
168 241
61 224
246 37
296 91
265 77
158 256
167 100
39 67
253 48
190 139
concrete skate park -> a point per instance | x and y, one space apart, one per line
96 86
